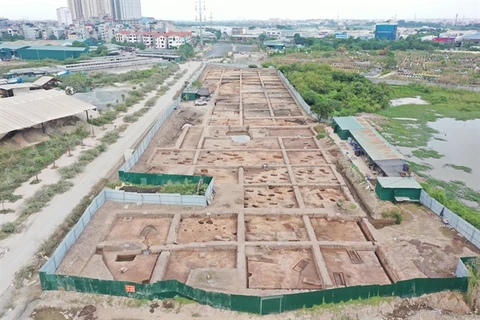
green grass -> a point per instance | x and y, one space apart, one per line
393 215
462 168
19 166
185 188
338 307
444 103
447 194
70 171
184 301
423 153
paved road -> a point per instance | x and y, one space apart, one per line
40 226
221 49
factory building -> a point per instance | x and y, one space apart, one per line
8 51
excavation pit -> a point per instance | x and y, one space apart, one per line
207 228
138 270
182 262
315 175
294 132
275 228
310 158
266 176
140 229
354 268
227 175
171 157
337 230
281 269
240 158
319 197
270 197
299 143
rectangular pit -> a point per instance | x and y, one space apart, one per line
281 269
294 132
138 270
181 262
227 175
306 157
207 228
337 230
229 144
139 228
266 176
275 228
368 271
240 158
318 197
171 157
315 175
270 197
299 143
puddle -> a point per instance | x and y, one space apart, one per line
240 139
52 314
458 142
404 101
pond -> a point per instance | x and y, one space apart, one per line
459 143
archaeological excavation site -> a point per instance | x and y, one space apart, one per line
282 218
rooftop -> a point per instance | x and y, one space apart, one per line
12 46
375 145
43 80
348 123
17 86
40 106
398 183
57 48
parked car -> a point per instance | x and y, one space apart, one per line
201 102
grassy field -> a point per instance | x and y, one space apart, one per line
443 103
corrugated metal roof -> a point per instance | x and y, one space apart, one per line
43 80
11 46
348 123
398 183
41 106
375 145
17 86
57 48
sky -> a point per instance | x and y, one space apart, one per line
266 9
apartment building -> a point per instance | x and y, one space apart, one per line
157 40
128 11
64 16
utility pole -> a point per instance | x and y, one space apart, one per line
200 8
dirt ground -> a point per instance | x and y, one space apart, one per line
275 216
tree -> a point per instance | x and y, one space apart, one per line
62 37
52 37
262 37
186 51
218 34
324 108
79 44
141 46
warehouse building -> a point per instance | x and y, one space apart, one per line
9 50
343 125
365 140
397 189
50 52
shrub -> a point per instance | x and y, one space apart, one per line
71 171
110 137
394 215
8 227
129 118
252 66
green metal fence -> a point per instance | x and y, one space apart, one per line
160 179
252 304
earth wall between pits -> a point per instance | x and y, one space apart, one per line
242 303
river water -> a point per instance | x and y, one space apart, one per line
461 147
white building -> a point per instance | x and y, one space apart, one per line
29 33
64 16
127 10
96 8
157 40
76 10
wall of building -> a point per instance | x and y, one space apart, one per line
386 31
45 53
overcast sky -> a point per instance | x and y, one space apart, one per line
265 9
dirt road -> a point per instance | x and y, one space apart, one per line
40 226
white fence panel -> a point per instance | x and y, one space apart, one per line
462 270
463 227
194 201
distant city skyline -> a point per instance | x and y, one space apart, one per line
267 9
